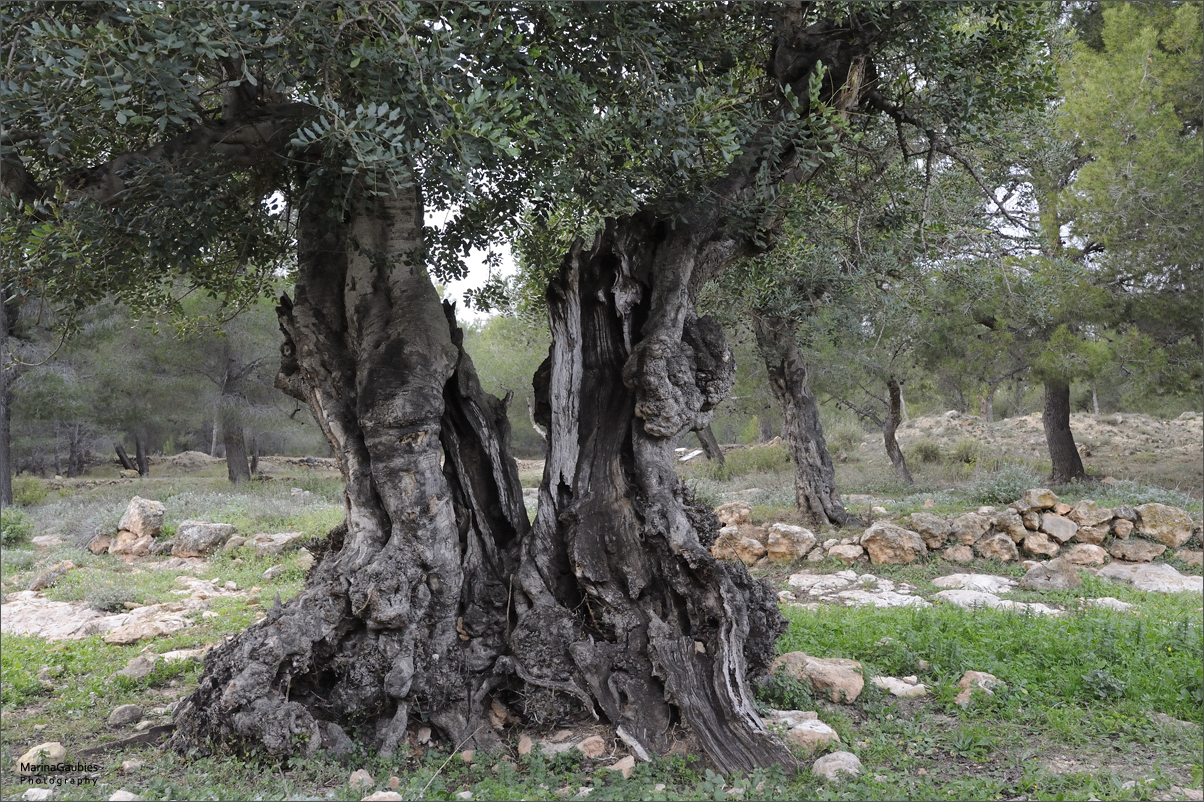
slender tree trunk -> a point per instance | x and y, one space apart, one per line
990 395
814 474
124 458
75 457
764 430
710 446
1094 398
255 454
140 454
894 416
903 407
213 437
1063 454
6 377
236 447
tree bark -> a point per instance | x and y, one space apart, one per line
236 447
124 458
814 474
76 454
140 457
710 446
6 460
1063 453
890 424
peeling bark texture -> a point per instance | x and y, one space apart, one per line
1063 453
890 424
814 474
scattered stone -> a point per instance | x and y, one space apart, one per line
160 619
977 600
424 735
48 577
1086 554
624 767
198 538
304 560
811 735
1193 557
35 794
1031 520
467 795
525 745
1011 524
122 795
1061 508
394 782
1038 499
900 687
1038 544
360 778
958 554
847 554
266 544
1160 578
1091 535
48 753
787 543
592 746
129 543
383 796
1059 528
933 528
1054 575
836 677
1086 513
832 766
888 544
998 546
968 528
100 544
143 517
733 513
143 725
138 668
1136 551
972 680
1109 603
816 555
1167 525
1122 528
274 571
235 542
1125 513
125 715
749 550
986 583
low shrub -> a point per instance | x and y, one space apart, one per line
926 450
108 598
967 451
845 437
15 528
1003 486
28 490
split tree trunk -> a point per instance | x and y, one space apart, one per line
124 458
890 424
814 474
1063 453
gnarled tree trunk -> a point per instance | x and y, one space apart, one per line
1063 454
814 474
890 424
236 447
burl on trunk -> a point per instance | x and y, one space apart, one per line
437 598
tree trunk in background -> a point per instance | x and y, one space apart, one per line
124 458
1094 399
1063 454
6 463
76 455
255 454
890 424
710 446
140 455
764 430
814 474
236 447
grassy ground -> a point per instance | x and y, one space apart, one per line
1093 698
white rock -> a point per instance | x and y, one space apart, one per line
265 544
124 796
143 517
1109 603
977 600
37 794
882 598
899 687
1157 578
986 583
832 766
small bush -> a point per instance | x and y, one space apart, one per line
29 490
783 693
967 451
1003 486
108 598
926 450
15 528
757 459
845 437
17 560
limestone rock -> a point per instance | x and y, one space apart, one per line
934 529
998 546
37 794
1038 543
143 517
837 678
360 778
1194 557
1135 550
592 746
724 547
816 555
1038 499
1090 534
265 544
899 687
958 554
972 680
832 767
1053 575
968 528
889 544
787 543
130 543
48 753
236 542
138 668
1086 554
1086 513
525 744
48 577
125 715
1009 523
985 583
1169 526
122 795
1160 578
100 544
383 796
811 735
1031 520
1122 528
624 767
1059 528
847 554
198 538
1125 513
733 513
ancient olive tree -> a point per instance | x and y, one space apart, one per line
213 144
